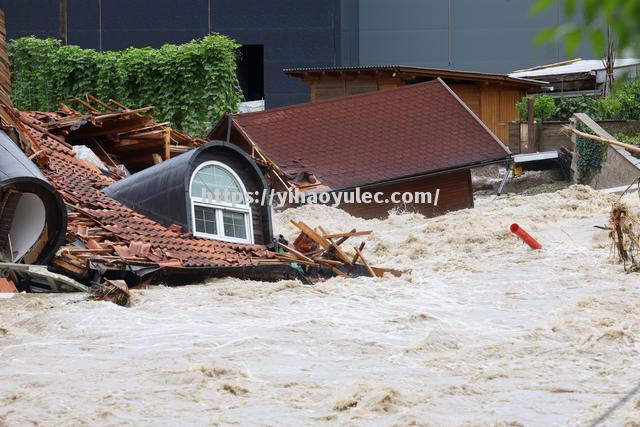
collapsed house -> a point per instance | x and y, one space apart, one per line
416 138
107 239
94 222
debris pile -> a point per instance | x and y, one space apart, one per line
125 140
625 233
320 254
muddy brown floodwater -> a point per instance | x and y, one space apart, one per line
484 331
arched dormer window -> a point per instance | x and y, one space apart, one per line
219 205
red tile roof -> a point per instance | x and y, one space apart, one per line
80 182
374 137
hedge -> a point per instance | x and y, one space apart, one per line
189 85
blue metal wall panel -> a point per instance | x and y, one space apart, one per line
477 35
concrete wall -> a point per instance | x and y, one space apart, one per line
618 168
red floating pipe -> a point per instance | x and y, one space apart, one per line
533 243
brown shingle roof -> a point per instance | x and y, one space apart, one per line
374 137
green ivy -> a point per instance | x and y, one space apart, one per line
590 156
189 85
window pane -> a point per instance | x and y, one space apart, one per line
205 220
234 224
216 180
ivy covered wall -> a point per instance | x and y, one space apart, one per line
189 85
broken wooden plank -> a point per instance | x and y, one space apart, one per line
324 243
348 234
338 272
296 253
380 271
366 264
330 262
358 251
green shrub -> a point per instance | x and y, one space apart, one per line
543 108
628 139
622 104
567 106
189 85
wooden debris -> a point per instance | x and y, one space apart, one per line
116 292
350 234
366 264
628 147
317 249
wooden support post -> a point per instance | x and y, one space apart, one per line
167 144
532 142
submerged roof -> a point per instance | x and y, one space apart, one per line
415 72
374 137
80 184
572 67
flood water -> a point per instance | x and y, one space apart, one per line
483 331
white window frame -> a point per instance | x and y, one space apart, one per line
220 207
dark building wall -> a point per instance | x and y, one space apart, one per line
294 33
455 192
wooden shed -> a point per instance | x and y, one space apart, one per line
492 97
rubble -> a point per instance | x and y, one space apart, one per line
625 233
320 254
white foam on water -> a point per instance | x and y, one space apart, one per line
483 331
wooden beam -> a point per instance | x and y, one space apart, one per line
167 144
628 147
296 253
349 234
366 264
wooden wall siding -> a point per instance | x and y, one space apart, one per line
509 97
327 89
389 83
490 107
455 193
470 95
494 104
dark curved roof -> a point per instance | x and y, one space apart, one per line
160 191
14 163
18 171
